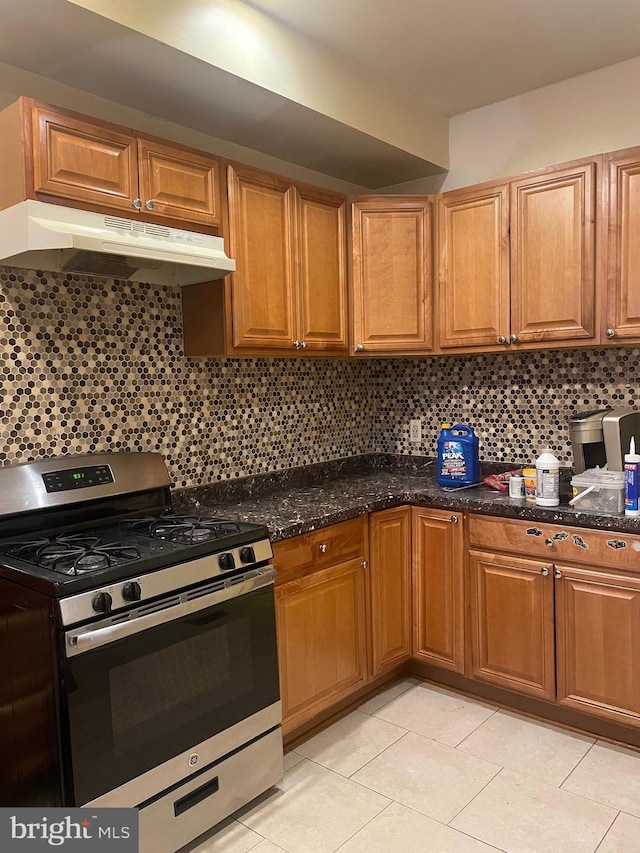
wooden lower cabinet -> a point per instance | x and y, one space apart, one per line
322 634
357 599
321 618
598 642
512 622
390 588
438 594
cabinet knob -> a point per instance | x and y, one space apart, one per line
610 333
502 339
544 571
296 344
359 347
548 542
322 548
364 564
513 338
149 204
303 344
454 519
557 573
137 203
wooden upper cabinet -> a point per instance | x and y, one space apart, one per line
261 228
553 255
289 288
179 183
60 156
598 637
391 270
80 160
390 587
622 309
322 270
472 228
438 588
517 261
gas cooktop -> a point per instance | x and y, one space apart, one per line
79 523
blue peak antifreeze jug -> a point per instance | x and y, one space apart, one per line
458 462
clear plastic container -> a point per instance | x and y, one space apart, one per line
597 490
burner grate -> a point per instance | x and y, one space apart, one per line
184 529
71 554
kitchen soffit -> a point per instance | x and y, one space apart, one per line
454 56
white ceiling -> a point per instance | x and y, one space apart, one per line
442 56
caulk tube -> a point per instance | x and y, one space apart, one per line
631 465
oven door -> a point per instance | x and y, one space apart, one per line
160 691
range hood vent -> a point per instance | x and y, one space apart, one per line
39 236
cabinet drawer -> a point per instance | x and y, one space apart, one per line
328 546
557 542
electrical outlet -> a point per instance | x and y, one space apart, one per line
415 430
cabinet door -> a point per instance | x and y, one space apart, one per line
179 183
322 273
261 227
473 267
512 626
623 250
598 636
438 603
74 159
553 259
392 288
321 621
390 587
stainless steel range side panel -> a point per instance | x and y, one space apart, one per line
22 486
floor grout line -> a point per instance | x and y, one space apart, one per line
353 834
477 794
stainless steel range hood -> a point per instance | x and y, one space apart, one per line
39 236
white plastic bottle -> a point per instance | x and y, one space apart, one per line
547 479
631 465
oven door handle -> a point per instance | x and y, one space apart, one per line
86 639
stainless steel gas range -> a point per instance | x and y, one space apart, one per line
137 648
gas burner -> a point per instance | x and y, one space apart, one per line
185 529
72 554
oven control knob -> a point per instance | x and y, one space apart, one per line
131 591
226 562
102 602
247 554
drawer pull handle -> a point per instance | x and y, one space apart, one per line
548 542
322 548
544 571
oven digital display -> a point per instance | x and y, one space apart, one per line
81 478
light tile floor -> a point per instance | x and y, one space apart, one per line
419 769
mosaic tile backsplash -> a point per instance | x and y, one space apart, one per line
91 366
515 402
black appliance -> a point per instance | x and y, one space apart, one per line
137 647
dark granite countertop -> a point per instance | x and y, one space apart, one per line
303 499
